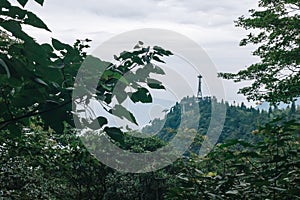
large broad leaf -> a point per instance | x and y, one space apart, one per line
35 21
16 30
154 84
141 95
121 96
47 47
36 53
60 46
158 70
115 134
122 112
28 94
54 115
143 73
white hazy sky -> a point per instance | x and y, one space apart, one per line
209 23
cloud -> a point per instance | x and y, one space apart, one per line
90 16
209 23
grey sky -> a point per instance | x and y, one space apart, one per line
209 23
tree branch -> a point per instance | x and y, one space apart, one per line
31 114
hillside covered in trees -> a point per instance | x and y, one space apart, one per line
240 120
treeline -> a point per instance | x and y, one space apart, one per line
239 120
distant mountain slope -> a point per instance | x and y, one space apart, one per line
240 121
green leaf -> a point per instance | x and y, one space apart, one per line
23 2
116 57
102 121
154 84
16 30
158 70
161 51
121 96
47 47
141 95
35 21
59 45
51 73
122 113
143 73
54 115
125 55
24 97
156 58
36 54
115 134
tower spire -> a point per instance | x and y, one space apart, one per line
199 93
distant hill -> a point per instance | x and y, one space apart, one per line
240 121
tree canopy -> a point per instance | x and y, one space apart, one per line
276 30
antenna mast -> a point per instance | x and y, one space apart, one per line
199 94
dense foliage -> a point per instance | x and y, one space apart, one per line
268 169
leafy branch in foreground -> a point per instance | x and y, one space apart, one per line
277 32
39 79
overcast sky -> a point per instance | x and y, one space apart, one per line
209 23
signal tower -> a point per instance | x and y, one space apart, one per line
199 93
